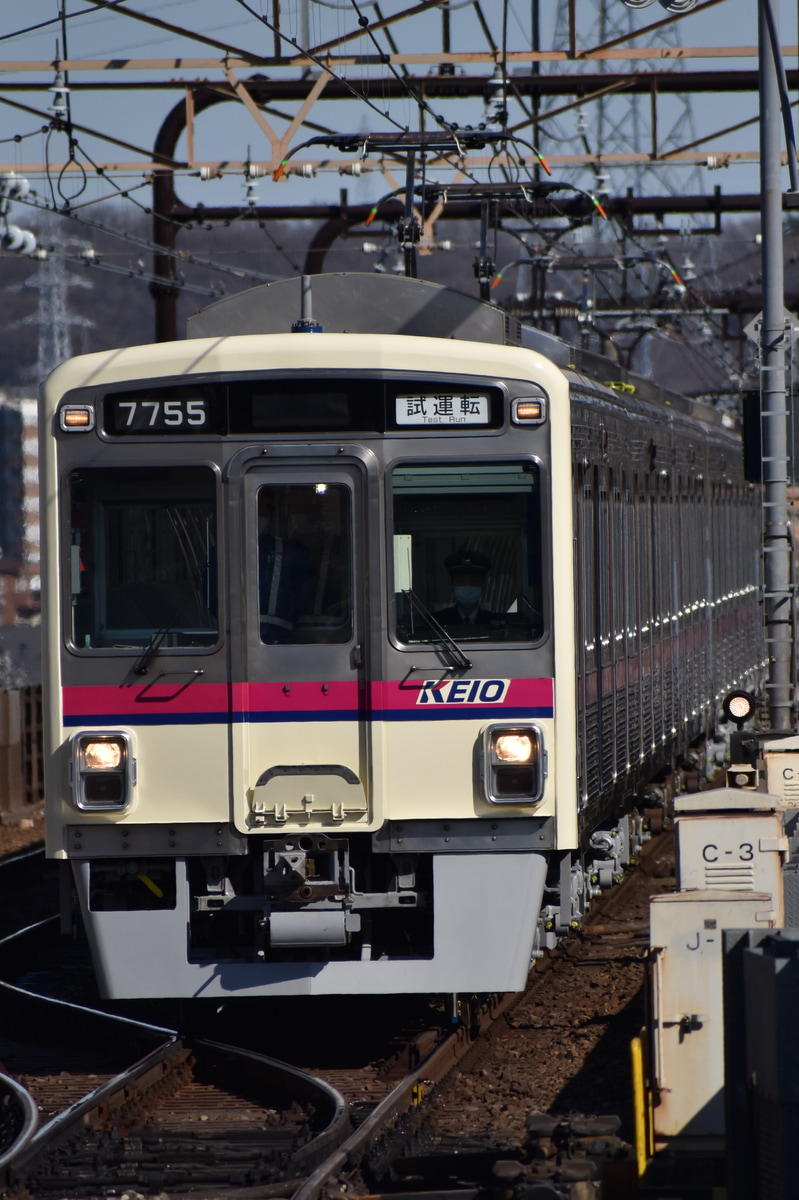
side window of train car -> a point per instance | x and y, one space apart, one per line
467 552
304 563
587 548
143 557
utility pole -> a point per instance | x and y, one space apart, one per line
773 401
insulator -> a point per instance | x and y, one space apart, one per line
18 241
60 92
354 168
304 170
13 186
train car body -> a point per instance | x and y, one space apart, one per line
282 756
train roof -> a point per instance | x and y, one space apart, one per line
355 302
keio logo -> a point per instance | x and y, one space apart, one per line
463 691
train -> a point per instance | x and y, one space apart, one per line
373 620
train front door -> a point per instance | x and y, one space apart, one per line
300 733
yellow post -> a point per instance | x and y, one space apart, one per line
642 1108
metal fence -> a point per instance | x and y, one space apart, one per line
21 765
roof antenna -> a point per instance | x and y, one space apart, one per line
306 323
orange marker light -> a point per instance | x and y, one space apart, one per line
77 419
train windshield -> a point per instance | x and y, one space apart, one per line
467 551
143 557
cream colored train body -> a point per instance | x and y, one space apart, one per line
284 756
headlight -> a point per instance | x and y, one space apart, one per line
514 764
103 771
514 747
103 756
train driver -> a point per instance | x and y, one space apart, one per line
468 572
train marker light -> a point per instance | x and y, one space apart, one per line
513 763
529 410
738 707
103 771
76 418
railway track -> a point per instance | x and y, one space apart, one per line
125 1104
28 889
465 1111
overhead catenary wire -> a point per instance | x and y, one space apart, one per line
97 264
143 244
81 12
368 4
321 64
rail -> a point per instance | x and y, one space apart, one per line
165 1063
19 1118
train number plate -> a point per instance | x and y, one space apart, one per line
150 415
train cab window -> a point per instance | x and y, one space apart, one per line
304 563
467 552
143 561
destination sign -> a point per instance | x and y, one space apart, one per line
443 408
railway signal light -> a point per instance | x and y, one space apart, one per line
738 707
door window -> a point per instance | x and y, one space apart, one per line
304 563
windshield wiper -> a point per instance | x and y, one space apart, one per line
461 659
142 663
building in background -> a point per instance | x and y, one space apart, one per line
19 542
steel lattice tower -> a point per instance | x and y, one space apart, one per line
52 316
622 123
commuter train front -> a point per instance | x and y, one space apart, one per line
310 628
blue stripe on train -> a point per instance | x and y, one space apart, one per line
497 712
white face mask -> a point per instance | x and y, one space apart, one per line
467 595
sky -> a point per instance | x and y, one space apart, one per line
133 113
227 132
